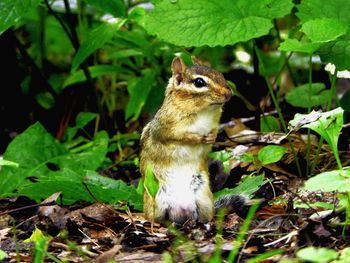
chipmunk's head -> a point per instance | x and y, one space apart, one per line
201 83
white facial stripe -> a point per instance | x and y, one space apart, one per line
205 78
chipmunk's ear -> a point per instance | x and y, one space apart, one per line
196 61
178 67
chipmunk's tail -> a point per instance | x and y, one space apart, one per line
239 204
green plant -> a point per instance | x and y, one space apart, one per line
45 166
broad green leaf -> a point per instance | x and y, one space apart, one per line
8 163
337 52
324 30
112 191
41 157
96 39
213 23
308 96
247 187
138 89
328 125
11 11
95 71
294 45
66 180
92 157
271 154
317 254
269 124
113 7
151 184
31 150
315 9
337 180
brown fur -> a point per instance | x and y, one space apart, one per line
167 142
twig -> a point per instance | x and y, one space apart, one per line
27 207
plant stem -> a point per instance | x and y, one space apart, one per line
284 125
308 145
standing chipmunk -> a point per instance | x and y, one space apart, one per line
176 143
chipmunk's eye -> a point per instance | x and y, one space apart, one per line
199 82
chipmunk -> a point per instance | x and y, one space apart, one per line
176 143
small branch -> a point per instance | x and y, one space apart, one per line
28 207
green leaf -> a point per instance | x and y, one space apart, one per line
96 39
307 95
113 7
337 52
137 14
138 89
45 99
269 64
112 191
271 154
3 255
324 30
269 124
314 9
327 124
41 157
95 71
151 184
11 11
344 255
294 45
317 254
125 53
66 180
36 236
31 150
84 118
247 187
337 180
213 23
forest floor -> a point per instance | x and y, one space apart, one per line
283 223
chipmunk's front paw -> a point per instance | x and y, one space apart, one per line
209 138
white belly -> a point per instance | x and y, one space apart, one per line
179 190
205 122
